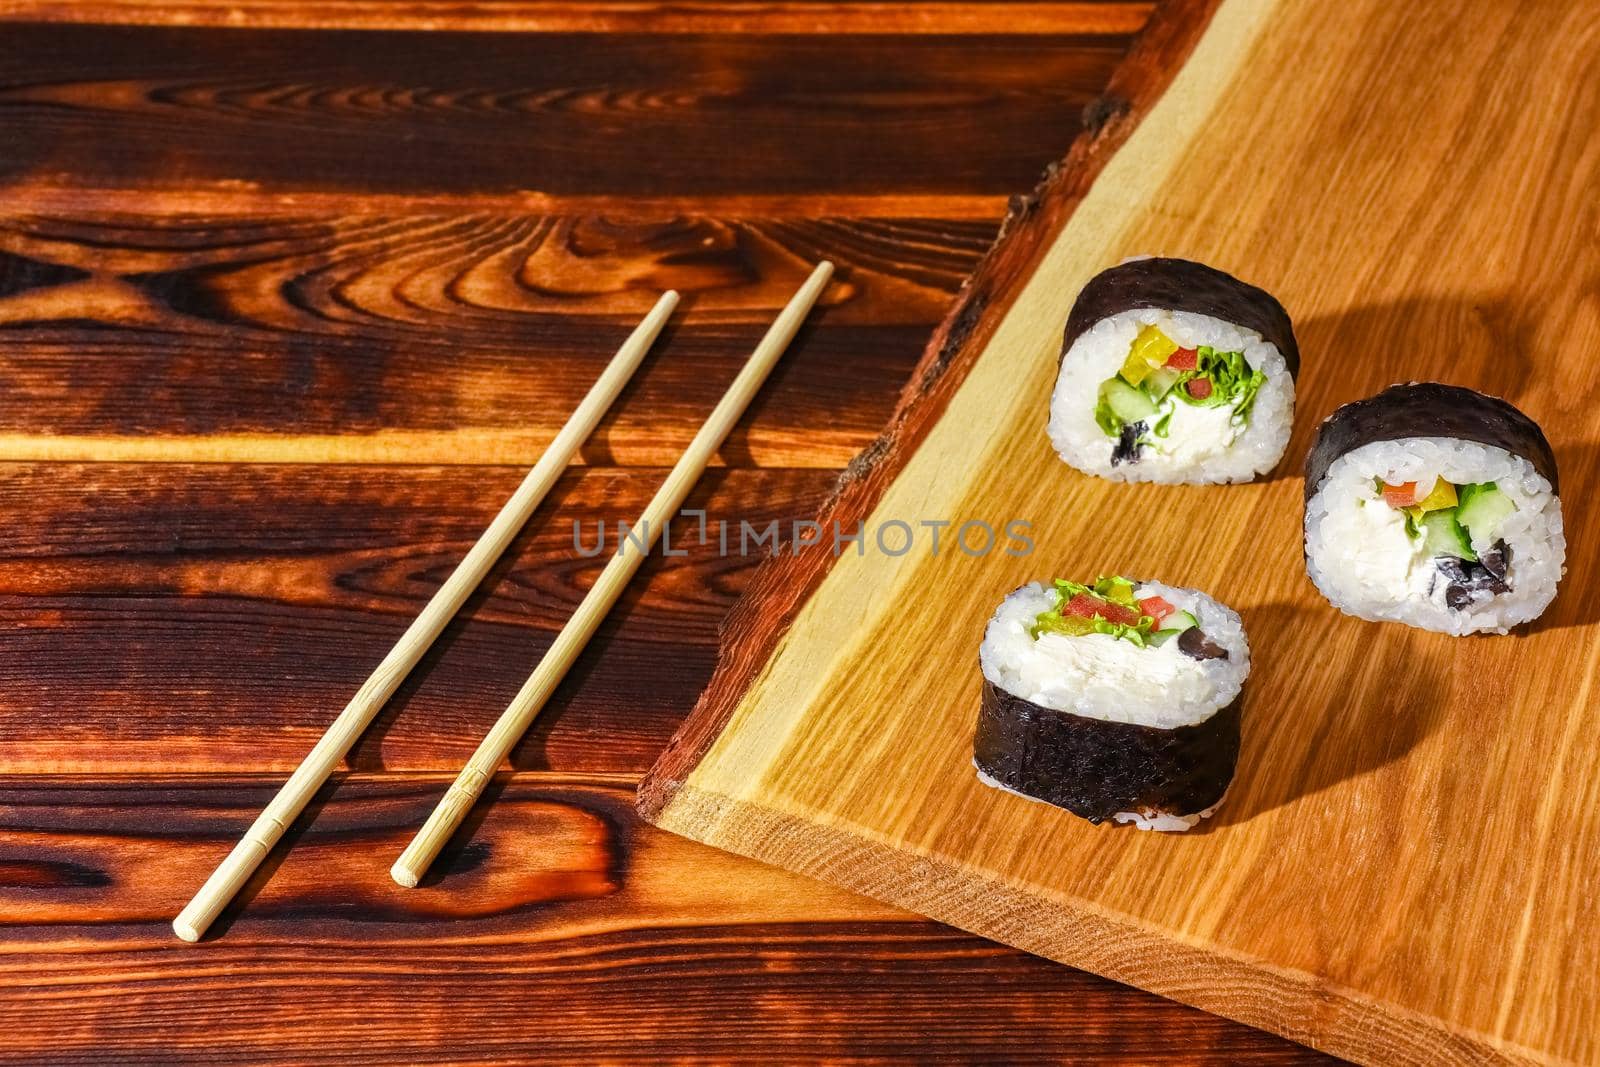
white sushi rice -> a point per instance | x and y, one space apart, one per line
1202 444
1104 677
1109 678
1163 821
1359 555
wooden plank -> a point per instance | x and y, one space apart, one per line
259 270
374 116
609 935
1445 931
448 339
207 618
166 197
608 16
562 930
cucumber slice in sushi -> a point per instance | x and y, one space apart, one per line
1173 625
1483 509
1128 404
1442 535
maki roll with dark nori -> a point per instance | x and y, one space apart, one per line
1117 701
1173 371
1435 506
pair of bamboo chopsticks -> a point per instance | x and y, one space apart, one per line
325 756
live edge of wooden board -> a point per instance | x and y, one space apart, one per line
1494 983
781 584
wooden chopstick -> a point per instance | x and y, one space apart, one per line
520 713
330 749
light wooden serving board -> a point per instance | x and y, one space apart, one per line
1407 866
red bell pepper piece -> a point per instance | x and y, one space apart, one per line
1157 608
1403 495
1088 607
1184 359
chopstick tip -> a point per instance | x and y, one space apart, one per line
404 876
186 931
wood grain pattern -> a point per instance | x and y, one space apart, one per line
215 616
761 618
580 116
608 586
358 714
192 294
1054 17
598 937
1447 780
447 339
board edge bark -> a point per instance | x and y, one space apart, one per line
782 584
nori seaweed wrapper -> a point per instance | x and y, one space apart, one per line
1095 768
1428 409
1183 285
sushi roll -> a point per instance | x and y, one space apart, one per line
1173 371
1117 700
1434 506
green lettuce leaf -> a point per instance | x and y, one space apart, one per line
1233 382
1110 588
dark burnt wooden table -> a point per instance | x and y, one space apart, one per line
290 295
